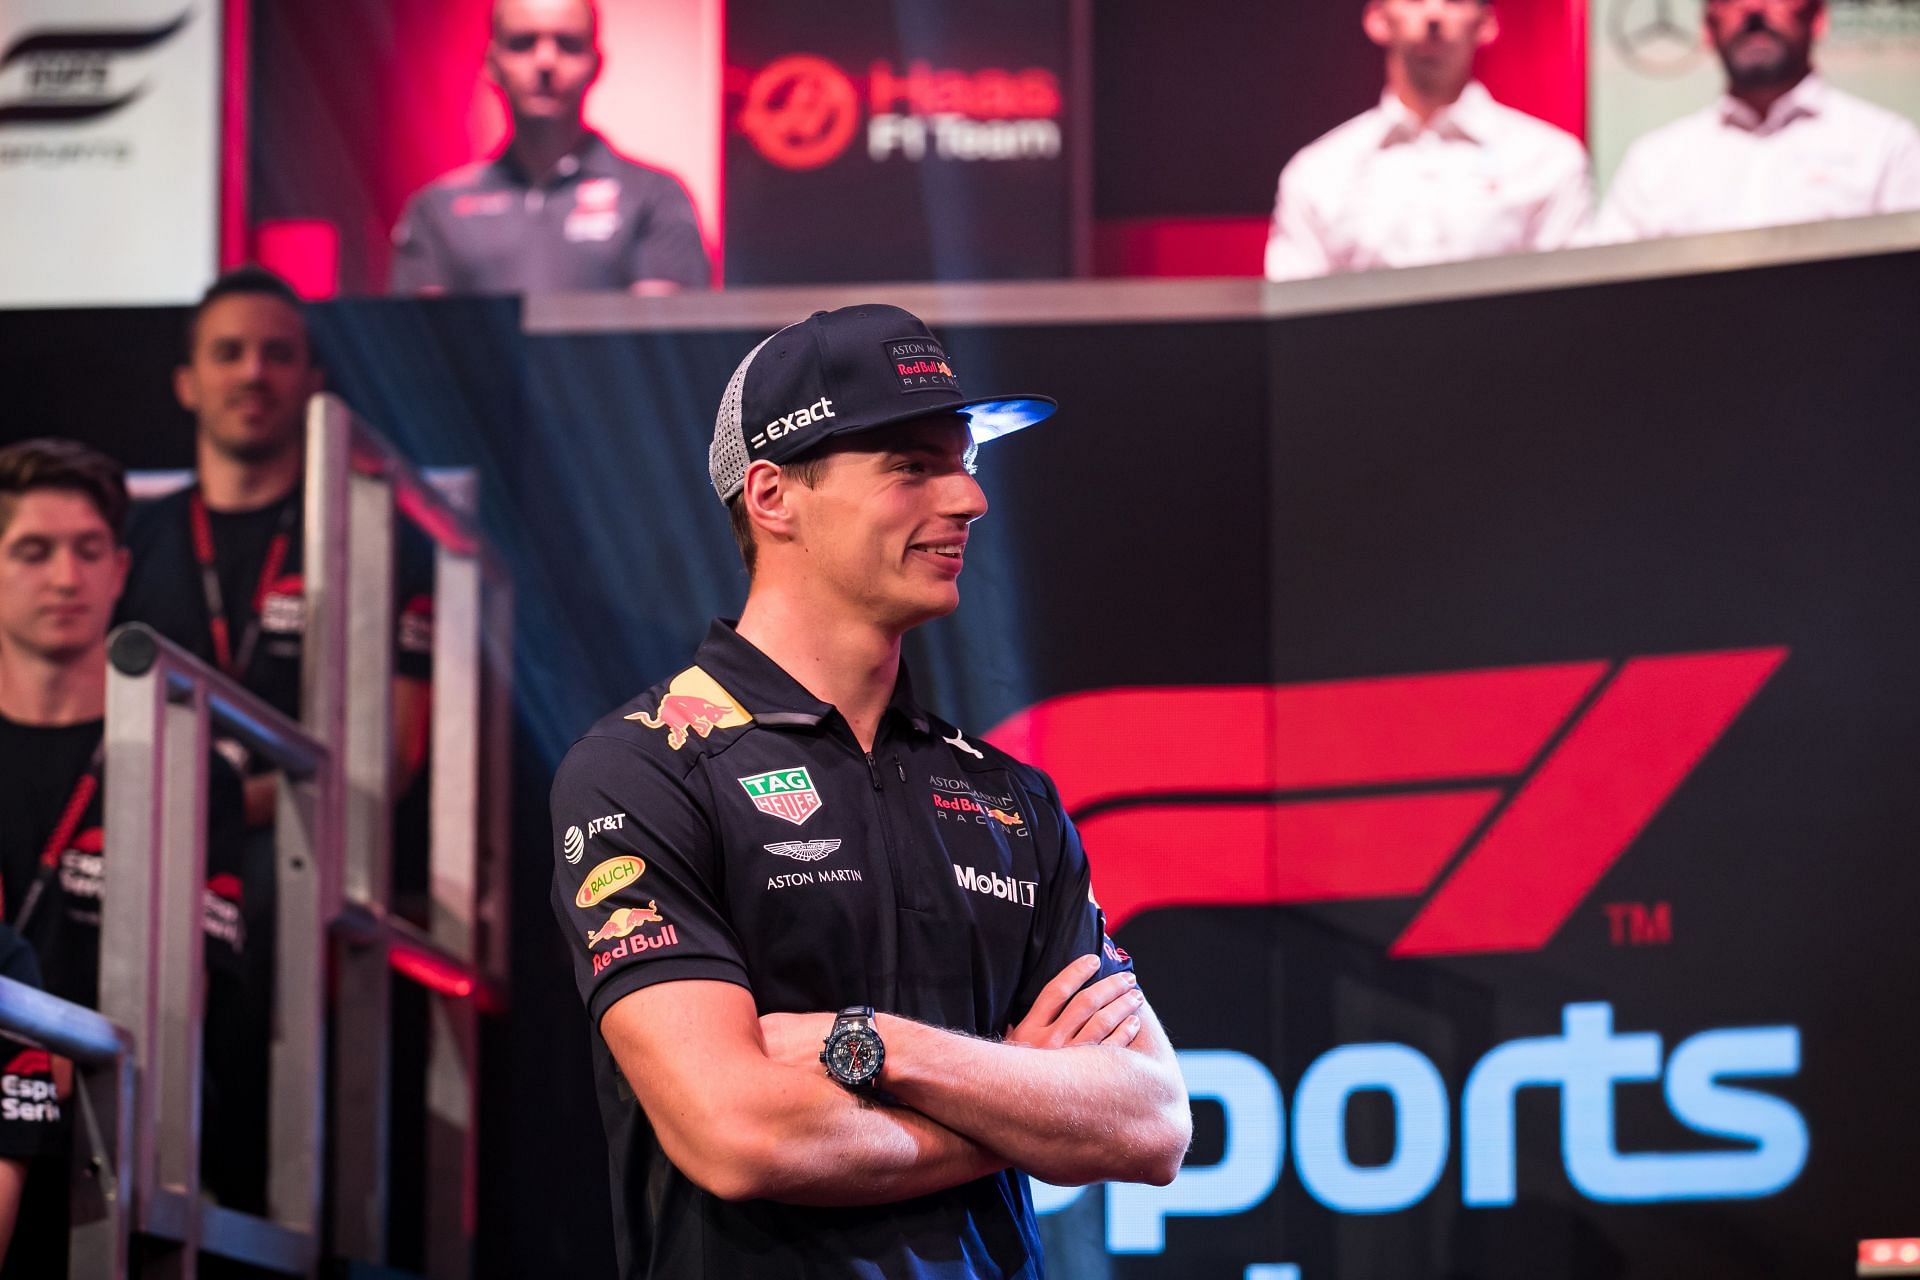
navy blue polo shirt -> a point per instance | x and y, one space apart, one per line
727 825
599 221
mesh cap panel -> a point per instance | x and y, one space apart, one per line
727 456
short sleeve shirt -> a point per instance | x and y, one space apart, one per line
257 556
29 1105
599 222
726 825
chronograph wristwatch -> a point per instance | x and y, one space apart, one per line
854 1054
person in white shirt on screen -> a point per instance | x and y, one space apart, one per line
1438 171
1781 146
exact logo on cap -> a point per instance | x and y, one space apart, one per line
921 365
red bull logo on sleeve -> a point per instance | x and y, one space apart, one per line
622 929
693 703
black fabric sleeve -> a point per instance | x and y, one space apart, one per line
1071 923
636 876
29 1105
666 242
421 262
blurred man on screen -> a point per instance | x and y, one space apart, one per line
558 209
1781 146
1438 171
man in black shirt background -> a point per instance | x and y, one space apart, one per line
217 567
558 209
62 563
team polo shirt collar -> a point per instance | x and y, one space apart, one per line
774 698
1807 98
1468 117
591 157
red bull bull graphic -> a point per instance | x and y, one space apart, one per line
693 703
786 794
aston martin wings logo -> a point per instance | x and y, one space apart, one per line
803 850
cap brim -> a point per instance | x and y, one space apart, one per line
987 419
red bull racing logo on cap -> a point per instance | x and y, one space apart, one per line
693 703
786 794
921 365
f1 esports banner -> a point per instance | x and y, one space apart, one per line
867 140
109 150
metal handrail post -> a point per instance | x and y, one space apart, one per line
132 812
337 709
162 707
173 1069
458 795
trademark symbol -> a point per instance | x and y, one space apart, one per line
1639 924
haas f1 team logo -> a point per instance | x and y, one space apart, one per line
1512 791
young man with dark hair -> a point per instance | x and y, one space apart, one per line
557 209
1781 146
1438 171
781 831
62 563
217 566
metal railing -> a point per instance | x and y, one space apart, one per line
138 1060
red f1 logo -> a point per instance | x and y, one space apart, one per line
1261 795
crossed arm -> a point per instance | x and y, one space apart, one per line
1084 1088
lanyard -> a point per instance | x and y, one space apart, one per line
62 837
224 655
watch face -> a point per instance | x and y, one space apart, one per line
854 1055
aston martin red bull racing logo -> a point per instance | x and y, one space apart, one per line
1508 793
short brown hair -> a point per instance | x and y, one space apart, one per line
64 464
807 469
250 280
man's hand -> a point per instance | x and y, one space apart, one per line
1105 1013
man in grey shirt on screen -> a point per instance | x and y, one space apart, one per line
558 210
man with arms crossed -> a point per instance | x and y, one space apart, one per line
1438 171
781 830
1782 146
558 209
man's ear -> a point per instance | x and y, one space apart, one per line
1489 26
767 494
186 388
1374 22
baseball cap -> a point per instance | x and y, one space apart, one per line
837 372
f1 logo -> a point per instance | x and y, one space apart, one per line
1530 782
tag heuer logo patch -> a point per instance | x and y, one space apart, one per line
784 793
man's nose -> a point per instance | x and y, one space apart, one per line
969 500
64 569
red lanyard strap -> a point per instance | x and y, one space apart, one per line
61 839
224 655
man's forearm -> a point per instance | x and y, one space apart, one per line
1075 1115
830 1147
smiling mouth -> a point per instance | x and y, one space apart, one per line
946 550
